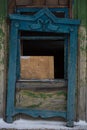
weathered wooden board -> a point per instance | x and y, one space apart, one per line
37 67
11 6
23 2
43 2
49 100
44 85
38 2
52 2
64 2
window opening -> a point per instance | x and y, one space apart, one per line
53 49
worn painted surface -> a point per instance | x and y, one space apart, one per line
48 100
54 25
80 9
2 47
82 74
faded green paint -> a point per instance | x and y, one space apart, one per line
83 39
80 11
3 12
50 100
3 8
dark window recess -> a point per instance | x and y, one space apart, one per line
45 48
28 13
34 33
57 14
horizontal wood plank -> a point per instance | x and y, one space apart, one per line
38 85
48 100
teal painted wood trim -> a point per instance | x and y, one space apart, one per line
39 113
45 21
12 71
42 37
66 57
72 65
56 20
18 57
20 10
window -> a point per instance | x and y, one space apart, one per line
41 37
48 48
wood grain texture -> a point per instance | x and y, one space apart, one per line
11 6
54 100
63 2
51 2
23 2
39 85
38 2
37 67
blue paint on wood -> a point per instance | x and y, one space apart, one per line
20 10
12 72
46 21
18 57
66 57
72 64
39 113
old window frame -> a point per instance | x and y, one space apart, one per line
67 26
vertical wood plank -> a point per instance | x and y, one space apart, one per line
82 103
51 67
70 8
72 65
12 72
11 6
86 103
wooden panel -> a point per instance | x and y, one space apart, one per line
23 2
43 2
63 2
38 2
44 85
48 100
37 67
52 2
11 6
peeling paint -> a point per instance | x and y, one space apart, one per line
83 39
83 55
